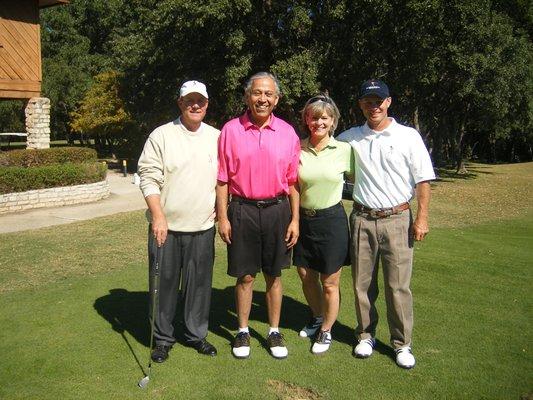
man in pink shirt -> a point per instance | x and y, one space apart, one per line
257 204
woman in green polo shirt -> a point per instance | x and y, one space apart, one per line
322 247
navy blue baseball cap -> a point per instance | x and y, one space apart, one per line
374 87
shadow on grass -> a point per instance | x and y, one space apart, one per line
472 171
447 175
385 349
128 312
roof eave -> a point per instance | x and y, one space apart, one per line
51 3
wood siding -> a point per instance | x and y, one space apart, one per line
20 49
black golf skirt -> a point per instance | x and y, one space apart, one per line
324 240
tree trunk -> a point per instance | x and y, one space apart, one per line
98 143
416 122
459 147
492 150
110 145
459 162
436 152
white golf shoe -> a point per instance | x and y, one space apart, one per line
322 343
241 345
405 358
276 344
364 348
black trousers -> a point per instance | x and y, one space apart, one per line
186 271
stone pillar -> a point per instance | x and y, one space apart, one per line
38 123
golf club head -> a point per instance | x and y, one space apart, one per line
144 382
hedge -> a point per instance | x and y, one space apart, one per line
20 179
42 157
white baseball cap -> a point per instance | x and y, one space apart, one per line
193 87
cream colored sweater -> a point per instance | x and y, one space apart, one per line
181 166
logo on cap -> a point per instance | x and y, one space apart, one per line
193 87
374 87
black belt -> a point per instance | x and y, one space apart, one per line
260 203
310 212
380 212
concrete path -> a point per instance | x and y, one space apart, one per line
125 196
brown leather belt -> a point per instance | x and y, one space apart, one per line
380 212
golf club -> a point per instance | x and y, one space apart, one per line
155 300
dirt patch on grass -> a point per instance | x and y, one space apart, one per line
289 391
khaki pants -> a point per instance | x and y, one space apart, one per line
389 240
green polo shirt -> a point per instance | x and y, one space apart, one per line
321 174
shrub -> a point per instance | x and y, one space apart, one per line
20 179
42 157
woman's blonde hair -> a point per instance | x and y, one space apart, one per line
316 106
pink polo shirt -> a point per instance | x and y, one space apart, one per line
258 163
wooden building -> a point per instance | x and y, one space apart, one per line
20 47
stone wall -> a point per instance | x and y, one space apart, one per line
53 197
38 123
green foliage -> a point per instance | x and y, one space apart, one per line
461 71
102 110
21 179
23 170
75 47
41 157
12 116
298 76
458 71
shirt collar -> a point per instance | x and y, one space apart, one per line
306 144
247 122
333 143
385 132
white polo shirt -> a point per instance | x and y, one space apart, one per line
388 164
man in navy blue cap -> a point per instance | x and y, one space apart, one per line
392 164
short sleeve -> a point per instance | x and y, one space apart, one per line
349 160
292 172
421 166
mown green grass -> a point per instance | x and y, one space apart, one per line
74 325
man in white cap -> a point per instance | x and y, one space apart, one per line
391 165
178 171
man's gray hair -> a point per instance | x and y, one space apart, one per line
260 75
